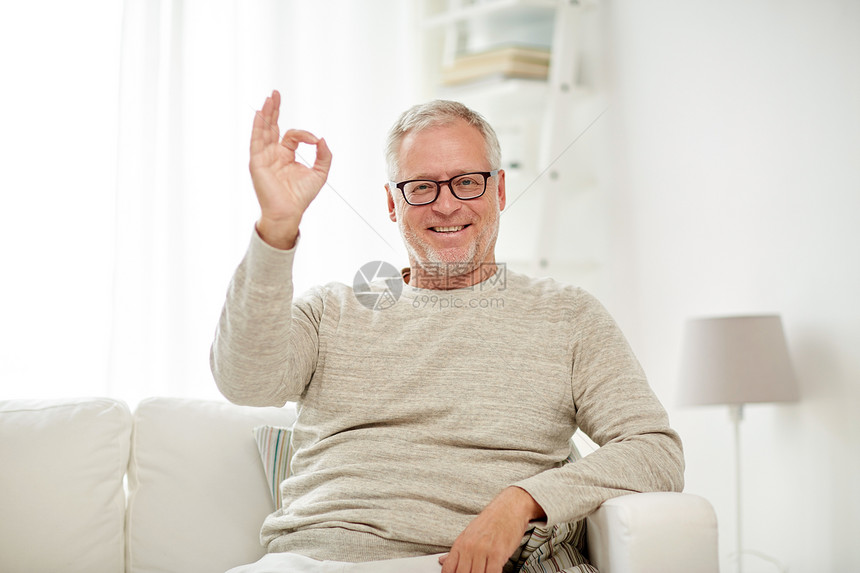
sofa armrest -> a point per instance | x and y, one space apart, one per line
647 532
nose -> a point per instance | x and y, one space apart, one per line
445 203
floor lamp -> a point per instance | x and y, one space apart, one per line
733 361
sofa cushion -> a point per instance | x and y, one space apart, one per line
61 494
197 491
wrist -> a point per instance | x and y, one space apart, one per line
523 505
278 234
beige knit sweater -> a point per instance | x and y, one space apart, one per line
412 418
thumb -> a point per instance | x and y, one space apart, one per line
322 163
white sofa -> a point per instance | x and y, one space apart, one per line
178 486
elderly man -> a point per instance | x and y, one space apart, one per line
428 428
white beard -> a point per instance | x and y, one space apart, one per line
464 259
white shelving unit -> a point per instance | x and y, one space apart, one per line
553 223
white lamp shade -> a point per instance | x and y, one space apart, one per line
736 360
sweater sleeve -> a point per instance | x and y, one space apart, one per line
266 347
617 409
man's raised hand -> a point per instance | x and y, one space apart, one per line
284 187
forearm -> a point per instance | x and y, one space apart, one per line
643 463
254 353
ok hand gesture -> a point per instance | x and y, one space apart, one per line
284 187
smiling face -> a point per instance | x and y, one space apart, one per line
454 237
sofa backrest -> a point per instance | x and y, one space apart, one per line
62 503
197 492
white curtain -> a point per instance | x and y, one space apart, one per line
119 294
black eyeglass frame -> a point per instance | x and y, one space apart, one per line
439 184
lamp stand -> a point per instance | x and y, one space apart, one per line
736 412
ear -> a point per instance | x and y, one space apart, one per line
501 187
391 213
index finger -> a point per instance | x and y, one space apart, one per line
293 137
449 562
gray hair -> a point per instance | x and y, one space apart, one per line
433 114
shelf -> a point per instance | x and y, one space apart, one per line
507 91
552 191
500 90
501 8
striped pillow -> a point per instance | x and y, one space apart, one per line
276 453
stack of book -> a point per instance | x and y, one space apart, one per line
502 62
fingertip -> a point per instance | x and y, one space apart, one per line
264 110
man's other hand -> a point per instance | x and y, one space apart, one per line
284 186
493 536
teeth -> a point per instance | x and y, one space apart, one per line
447 229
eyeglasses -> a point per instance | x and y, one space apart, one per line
464 187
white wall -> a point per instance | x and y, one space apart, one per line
736 189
